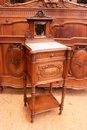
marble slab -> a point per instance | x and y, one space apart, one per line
45 46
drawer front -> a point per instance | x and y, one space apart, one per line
49 71
48 55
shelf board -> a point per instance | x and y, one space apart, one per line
44 102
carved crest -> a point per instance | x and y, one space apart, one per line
39 14
41 3
32 3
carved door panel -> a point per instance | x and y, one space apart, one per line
12 65
50 70
78 64
15 60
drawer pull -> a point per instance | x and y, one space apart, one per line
51 55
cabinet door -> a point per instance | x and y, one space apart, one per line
78 62
12 64
14 59
51 71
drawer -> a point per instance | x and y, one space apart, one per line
48 55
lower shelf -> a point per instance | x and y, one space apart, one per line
43 103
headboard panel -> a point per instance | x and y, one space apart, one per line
14 28
69 30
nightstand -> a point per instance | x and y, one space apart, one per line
47 61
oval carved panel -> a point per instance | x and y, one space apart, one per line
79 64
15 63
50 70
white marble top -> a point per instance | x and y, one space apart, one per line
45 46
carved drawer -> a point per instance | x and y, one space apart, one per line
50 55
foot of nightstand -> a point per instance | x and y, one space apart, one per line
1 89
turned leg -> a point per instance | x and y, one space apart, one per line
32 116
1 89
25 82
25 101
62 99
33 104
66 68
50 88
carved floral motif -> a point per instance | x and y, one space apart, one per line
28 34
32 3
41 3
15 57
12 58
79 62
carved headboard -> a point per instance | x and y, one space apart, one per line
70 32
70 29
14 28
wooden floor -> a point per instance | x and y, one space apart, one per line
14 116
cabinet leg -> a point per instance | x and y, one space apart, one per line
25 101
1 89
61 109
50 90
33 104
32 117
33 108
25 84
62 100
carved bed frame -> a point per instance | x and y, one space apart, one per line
69 27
